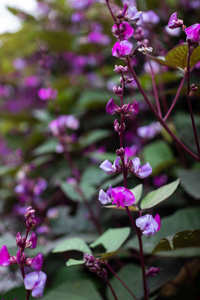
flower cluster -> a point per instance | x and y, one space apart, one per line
94 265
34 280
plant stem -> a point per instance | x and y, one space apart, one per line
146 297
162 122
175 99
110 286
28 294
108 4
189 102
122 282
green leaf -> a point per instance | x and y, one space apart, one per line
93 137
112 239
159 155
105 256
155 197
183 239
190 182
93 99
137 192
73 290
72 244
74 262
70 191
47 147
93 175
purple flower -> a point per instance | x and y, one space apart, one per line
37 262
174 22
98 38
149 132
122 197
131 151
109 168
150 17
125 31
134 15
105 197
160 180
193 32
121 49
47 94
32 241
35 281
141 172
4 257
63 122
111 106
148 224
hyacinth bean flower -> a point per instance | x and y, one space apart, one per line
193 32
47 94
141 172
174 22
109 168
126 31
4 257
148 224
121 49
35 282
126 109
150 131
150 17
62 122
119 196
37 262
133 15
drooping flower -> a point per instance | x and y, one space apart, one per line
109 168
141 172
193 32
148 224
121 49
133 15
35 281
4 257
174 22
122 197
125 30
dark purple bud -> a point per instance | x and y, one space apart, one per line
116 126
153 271
118 90
19 240
120 69
120 152
21 257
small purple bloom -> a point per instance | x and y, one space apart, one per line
37 262
122 197
35 281
193 32
111 106
32 241
121 49
141 172
109 168
149 132
148 224
160 180
47 94
125 30
134 15
4 257
131 151
105 197
98 38
174 22
150 17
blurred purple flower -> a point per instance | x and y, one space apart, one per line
121 49
4 257
193 32
31 81
141 172
98 38
150 17
37 262
131 151
148 224
80 4
160 180
63 122
133 15
173 32
35 281
47 94
149 132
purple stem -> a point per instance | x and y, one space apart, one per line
122 282
155 89
146 297
162 122
175 99
189 102
110 286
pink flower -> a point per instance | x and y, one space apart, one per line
148 224
35 281
125 31
121 49
122 197
4 257
141 172
109 168
174 22
193 32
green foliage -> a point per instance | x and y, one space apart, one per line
190 182
155 197
72 244
112 239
